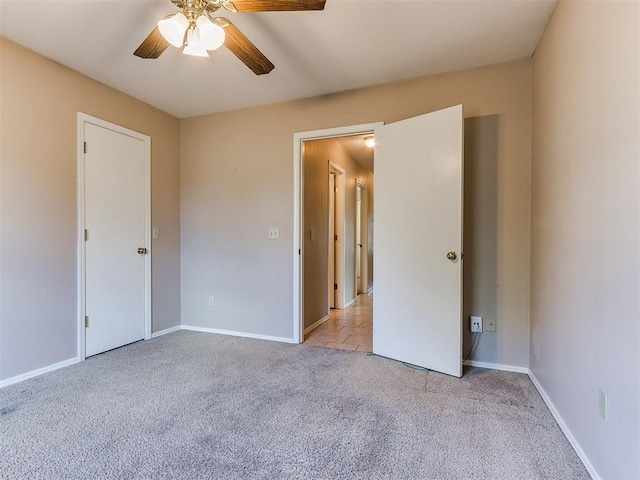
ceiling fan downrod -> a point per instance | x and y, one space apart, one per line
195 8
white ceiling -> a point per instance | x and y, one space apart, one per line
351 44
357 149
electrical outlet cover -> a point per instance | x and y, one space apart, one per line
603 405
490 325
475 324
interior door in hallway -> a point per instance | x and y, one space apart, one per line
362 240
115 208
332 239
358 228
418 237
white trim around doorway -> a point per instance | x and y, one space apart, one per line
339 252
298 140
364 241
82 119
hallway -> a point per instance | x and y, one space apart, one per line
348 329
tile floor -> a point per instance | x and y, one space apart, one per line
348 329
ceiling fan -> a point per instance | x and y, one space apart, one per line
197 29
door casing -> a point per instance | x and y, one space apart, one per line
363 271
83 119
338 230
298 225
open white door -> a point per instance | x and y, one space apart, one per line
418 224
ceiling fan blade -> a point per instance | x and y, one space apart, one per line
278 5
242 48
153 45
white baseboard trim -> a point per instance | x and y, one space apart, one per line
238 334
565 429
166 330
316 325
496 366
39 371
350 302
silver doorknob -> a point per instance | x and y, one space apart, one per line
452 255
142 251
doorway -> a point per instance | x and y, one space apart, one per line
329 243
346 323
418 315
114 236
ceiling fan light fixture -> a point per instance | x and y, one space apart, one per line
211 35
173 28
194 45
369 141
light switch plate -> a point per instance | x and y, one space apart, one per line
155 233
274 232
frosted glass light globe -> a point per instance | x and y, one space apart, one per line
211 35
194 44
173 28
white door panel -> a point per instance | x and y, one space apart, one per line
418 220
115 218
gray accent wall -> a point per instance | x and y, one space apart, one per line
585 234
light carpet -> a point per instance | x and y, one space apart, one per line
193 405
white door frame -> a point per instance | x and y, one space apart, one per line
364 250
298 139
339 251
81 251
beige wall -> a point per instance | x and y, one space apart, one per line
39 102
315 161
316 158
237 180
585 327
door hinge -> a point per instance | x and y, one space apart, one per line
299 251
335 237
85 147
86 235
86 322
335 286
